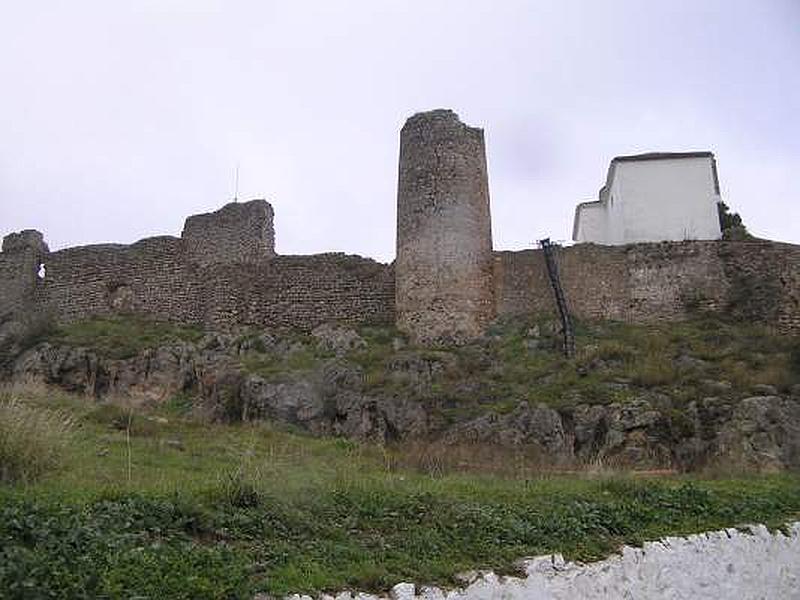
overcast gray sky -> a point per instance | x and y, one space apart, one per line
119 119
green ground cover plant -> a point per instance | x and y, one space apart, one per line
197 510
123 336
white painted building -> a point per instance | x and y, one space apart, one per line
660 196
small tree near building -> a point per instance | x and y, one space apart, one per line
731 224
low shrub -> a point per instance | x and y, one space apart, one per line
32 440
123 419
124 337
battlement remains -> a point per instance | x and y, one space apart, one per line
237 232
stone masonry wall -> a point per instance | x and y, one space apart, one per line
301 292
197 279
444 243
150 276
21 255
237 232
756 280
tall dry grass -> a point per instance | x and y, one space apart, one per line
32 440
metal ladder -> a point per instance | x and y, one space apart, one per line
558 292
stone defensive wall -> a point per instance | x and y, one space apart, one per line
222 272
756 280
446 285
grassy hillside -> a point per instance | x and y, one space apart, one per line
518 360
154 505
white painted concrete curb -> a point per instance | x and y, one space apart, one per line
719 565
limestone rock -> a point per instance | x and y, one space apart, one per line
717 387
403 591
763 432
636 435
337 375
295 401
590 426
375 419
537 425
337 340
420 369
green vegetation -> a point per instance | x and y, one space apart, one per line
99 500
275 365
615 362
123 336
31 440
191 510
519 359
731 224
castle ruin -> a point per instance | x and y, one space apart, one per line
446 285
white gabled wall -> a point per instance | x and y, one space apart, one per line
667 199
653 200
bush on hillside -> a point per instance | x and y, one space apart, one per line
32 440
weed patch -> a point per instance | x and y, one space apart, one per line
32 440
123 337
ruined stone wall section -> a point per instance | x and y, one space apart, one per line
236 233
764 282
301 292
756 280
444 245
149 277
153 277
222 272
21 255
522 285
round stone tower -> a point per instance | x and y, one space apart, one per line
444 233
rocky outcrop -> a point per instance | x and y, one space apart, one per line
334 396
763 432
537 425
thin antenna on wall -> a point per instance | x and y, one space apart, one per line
236 184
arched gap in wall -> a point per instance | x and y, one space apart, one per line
41 273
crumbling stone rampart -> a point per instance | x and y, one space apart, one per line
755 280
446 284
197 278
21 255
151 276
236 233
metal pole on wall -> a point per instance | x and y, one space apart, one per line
236 184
